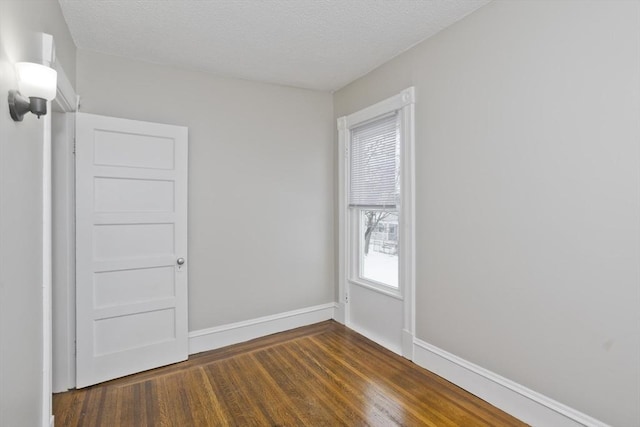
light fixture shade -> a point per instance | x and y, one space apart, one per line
36 81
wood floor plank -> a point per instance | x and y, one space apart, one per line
433 402
333 396
427 403
440 395
350 387
313 403
318 375
377 394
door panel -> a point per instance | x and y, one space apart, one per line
133 195
131 227
115 241
116 148
128 331
133 285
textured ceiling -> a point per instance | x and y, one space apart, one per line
315 44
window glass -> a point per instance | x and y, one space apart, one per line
379 246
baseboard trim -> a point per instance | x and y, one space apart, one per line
340 315
407 344
393 347
527 405
234 333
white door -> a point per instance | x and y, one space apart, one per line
131 228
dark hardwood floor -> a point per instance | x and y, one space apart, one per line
318 375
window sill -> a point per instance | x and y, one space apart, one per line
385 290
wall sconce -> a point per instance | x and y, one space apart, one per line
37 84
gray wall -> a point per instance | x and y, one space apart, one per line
21 212
528 163
260 182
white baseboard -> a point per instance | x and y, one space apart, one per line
234 333
340 315
527 405
378 339
407 344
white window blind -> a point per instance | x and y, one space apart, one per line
374 163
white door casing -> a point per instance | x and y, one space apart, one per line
131 228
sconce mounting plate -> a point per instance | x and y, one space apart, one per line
18 105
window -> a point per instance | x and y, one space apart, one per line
374 195
376 199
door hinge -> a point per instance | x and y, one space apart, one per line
346 298
74 146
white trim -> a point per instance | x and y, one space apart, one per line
343 220
66 97
381 288
340 312
47 319
407 344
371 335
63 179
234 333
396 102
47 56
65 100
404 103
407 231
525 404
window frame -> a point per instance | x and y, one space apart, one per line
348 218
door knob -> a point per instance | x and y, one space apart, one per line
180 261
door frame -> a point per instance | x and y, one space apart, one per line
404 102
61 322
